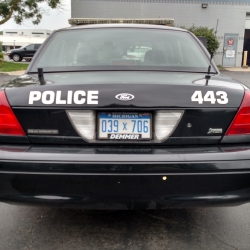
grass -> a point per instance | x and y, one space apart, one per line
220 67
10 66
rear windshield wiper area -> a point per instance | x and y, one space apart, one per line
124 68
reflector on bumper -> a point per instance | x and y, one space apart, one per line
84 123
165 123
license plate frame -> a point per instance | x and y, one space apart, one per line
141 116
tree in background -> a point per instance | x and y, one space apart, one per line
1 54
21 10
212 41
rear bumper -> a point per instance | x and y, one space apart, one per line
125 178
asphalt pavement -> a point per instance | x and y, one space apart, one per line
42 228
241 76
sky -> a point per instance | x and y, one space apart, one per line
52 20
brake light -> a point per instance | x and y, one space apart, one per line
241 123
9 124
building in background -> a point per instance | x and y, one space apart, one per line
16 38
27 32
231 18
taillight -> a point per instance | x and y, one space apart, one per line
241 123
9 124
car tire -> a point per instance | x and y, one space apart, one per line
17 58
28 59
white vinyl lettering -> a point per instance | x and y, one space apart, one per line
197 97
78 97
34 96
210 97
48 97
69 97
58 98
223 97
92 97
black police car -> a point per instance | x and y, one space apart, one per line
26 52
95 123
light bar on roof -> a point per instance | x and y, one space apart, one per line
158 21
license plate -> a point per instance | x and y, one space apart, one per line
124 126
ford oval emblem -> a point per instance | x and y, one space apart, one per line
124 97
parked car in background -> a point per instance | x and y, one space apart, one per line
138 52
26 52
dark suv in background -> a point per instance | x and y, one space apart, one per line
26 52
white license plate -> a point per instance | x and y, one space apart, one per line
124 126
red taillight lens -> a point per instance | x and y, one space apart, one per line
9 124
241 122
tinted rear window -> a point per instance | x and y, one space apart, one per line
122 48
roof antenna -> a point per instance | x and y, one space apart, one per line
208 76
40 76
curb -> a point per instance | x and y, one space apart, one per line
236 69
13 73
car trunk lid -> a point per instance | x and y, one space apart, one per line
207 110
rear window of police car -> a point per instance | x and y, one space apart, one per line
121 47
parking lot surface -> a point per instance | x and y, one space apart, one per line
42 228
